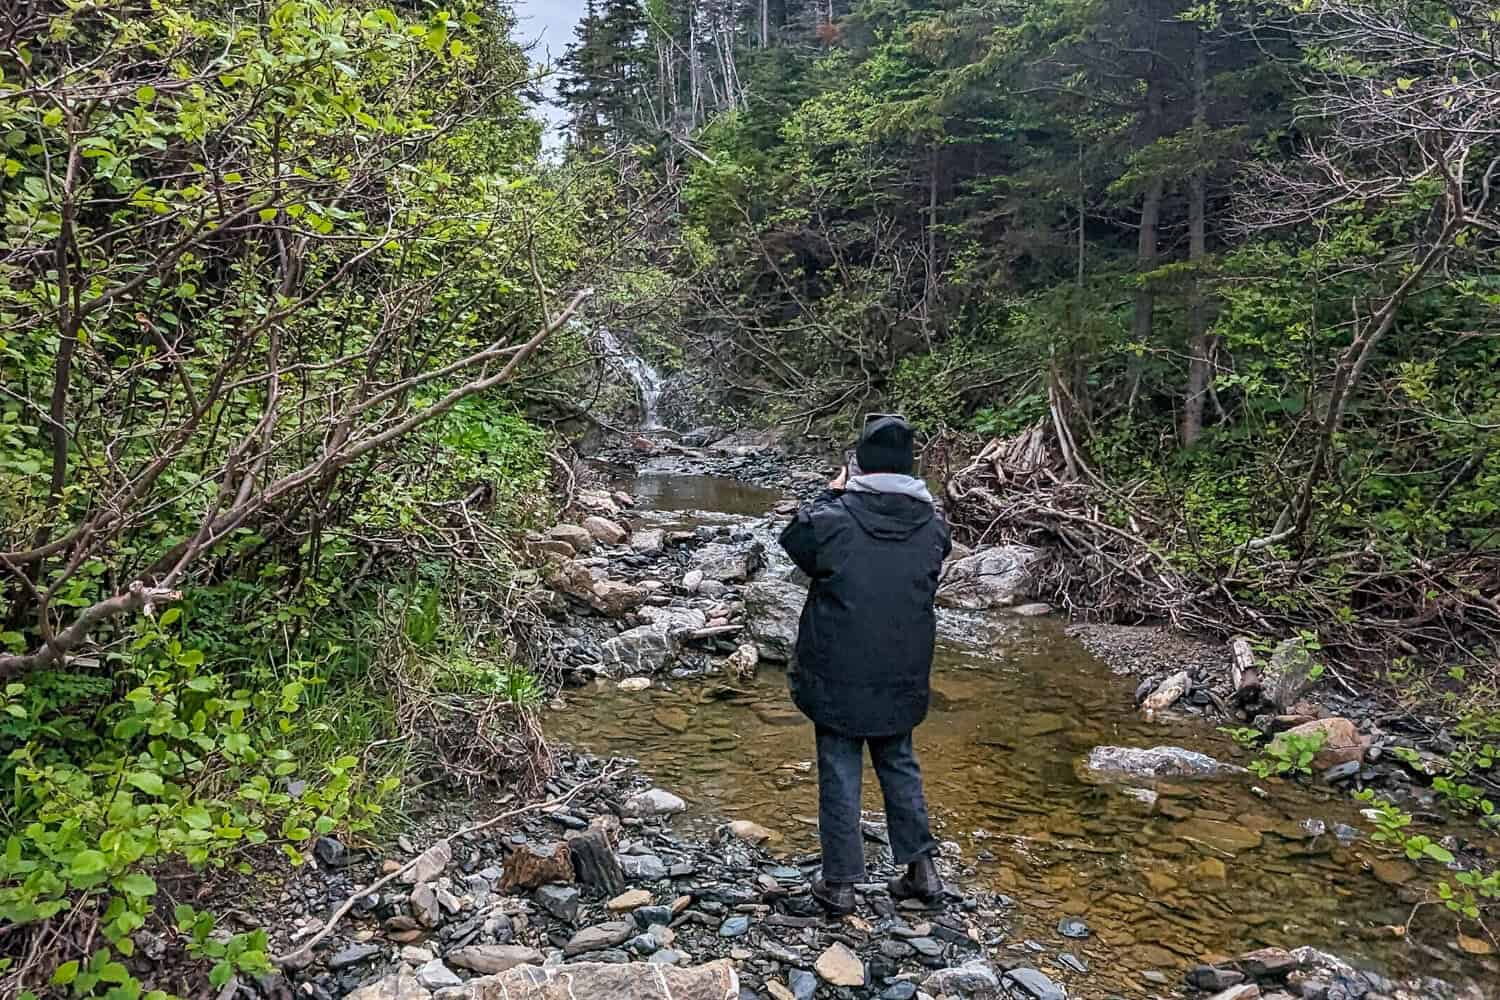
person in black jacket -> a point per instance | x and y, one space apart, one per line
873 545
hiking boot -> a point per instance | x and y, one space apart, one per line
921 881
837 898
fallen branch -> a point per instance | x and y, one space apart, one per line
297 957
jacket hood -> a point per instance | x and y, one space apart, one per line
894 513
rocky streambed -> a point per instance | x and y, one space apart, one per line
1081 861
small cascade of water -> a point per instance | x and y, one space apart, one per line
648 380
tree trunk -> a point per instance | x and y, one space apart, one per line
1200 346
765 24
1145 250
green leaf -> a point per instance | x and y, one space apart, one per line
147 782
87 863
169 616
1438 852
137 884
145 95
65 973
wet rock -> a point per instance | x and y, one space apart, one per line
561 901
489 959
1244 991
903 989
649 541
600 936
400 985
731 564
735 927
652 802
1342 772
634 684
531 866
803 983
575 536
1288 675
1031 983
840 966
650 916
645 649
1231 838
692 580
629 981
976 979
436 976
751 833
1033 610
432 863
643 867
604 530
1168 693
996 577
1072 962
1267 963
1157 762
353 955
1342 742
1072 927
772 610
743 662
1211 978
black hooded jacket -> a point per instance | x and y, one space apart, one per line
864 647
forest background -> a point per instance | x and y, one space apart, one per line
294 314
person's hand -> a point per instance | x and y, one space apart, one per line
841 480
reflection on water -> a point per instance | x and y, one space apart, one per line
1212 868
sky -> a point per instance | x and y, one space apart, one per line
549 25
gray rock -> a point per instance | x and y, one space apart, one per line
1071 961
996 577
624 981
926 946
490 959
772 610
575 535
735 927
903 989
643 867
1072 927
424 905
652 802
649 541
607 935
731 563
432 863
1211 979
1288 675
401 985
668 956
331 852
1113 763
975 978
436 976
353 955
559 900
645 649
1032 983
803 983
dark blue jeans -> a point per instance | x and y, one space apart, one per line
840 774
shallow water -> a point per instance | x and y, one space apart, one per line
1214 868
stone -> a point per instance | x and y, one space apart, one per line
645 649
412 955
742 663
600 936
1031 983
424 905
1168 693
901 989
1288 675
633 899
628 981
604 530
489 959
634 684
975 978
772 611
735 927
995 577
731 563
1111 762
1267 963
1342 742
580 581
436 976
331 853
751 833
1211 978
401 985
576 536
778 991
531 866
652 802
650 916
559 900
925 946
643 867
430 864
649 542
1244 991
840 966
1072 927
803 983
353 955
692 580
1231 838
1032 610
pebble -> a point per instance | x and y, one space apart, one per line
353 955
734 927
1072 927
803 983
1034 984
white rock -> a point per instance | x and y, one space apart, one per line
653 802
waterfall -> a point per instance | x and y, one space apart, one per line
647 379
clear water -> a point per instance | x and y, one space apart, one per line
1213 868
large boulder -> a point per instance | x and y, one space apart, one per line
1342 742
604 530
678 620
731 563
996 577
748 442
589 584
1109 763
772 611
625 981
645 649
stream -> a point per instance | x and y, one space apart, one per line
1208 869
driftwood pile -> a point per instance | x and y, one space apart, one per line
1126 555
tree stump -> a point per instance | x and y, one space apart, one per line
594 862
